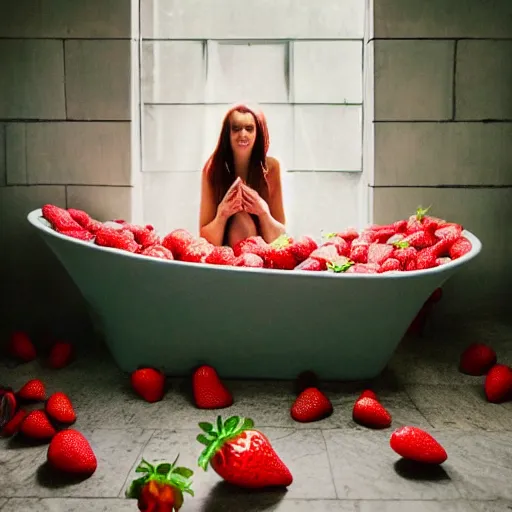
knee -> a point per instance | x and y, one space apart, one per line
242 226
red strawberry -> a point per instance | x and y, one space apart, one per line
421 239
383 235
242 455
59 408
370 412
415 222
157 251
449 232
342 246
477 359
33 390
303 247
36 425
391 264
368 393
70 452
498 383
427 257
279 255
221 255
405 254
306 379
253 244
324 255
367 236
162 486
197 251
378 253
148 383
21 347
363 268
60 355
81 234
415 444
142 235
13 425
460 247
209 391
442 261
311 405
247 259
349 234
359 251
116 239
432 223
60 219
310 264
85 220
177 242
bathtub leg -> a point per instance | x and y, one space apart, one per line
241 227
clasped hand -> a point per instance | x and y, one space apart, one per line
241 197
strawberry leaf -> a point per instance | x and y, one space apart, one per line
203 439
164 468
184 472
421 212
334 267
233 427
401 244
206 427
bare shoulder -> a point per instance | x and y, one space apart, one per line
274 169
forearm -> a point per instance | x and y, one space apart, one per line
214 231
270 227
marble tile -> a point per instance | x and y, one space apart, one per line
365 467
302 451
492 506
419 506
116 451
461 407
3 501
268 502
481 463
69 505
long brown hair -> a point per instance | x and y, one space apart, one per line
220 167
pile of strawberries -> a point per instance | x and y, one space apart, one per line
416 243
37 416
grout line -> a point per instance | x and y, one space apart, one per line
330 463
21 38
66 195
251 40
65 83
67 185
454 80
262 104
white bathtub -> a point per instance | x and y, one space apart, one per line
247 323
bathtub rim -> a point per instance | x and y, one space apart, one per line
35 215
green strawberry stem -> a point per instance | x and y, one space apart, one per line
163 473
213 438
401 244
281 241
328 235
334 267
421 212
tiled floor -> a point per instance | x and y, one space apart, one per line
337 465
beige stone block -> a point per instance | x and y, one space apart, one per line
413 80
98 79
484 80
442 18
443 154
89 153
32 79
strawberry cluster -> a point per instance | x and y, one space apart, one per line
417 243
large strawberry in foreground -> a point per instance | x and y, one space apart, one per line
241 455
162 486
415 444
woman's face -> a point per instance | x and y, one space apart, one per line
242 132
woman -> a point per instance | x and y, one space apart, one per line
241 193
